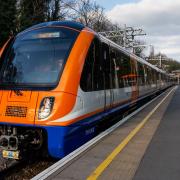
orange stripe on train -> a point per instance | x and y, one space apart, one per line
2 49
70 78
82 117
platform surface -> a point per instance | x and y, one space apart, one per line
152 154
162 158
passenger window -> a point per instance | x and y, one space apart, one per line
98 83
113 65
149 75
157 77
121 69
92 74
133 74
154 76
106 65
126 70
141 74
86 82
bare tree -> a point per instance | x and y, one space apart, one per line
59 9
87 13
90 14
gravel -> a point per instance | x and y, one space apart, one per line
22 171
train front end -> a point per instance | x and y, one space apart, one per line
40 71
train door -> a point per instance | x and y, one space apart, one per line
107 76
134 80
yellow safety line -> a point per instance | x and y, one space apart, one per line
98 171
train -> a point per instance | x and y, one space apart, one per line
61 81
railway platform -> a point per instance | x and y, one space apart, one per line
145 147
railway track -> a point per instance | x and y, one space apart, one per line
14 170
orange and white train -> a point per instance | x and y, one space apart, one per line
59 81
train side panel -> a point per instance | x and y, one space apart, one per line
99 82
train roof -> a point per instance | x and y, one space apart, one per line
70 24
131 54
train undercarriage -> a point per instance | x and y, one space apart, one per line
20 142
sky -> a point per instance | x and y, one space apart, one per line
160 19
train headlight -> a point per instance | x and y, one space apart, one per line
45 107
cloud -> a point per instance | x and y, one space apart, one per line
160 19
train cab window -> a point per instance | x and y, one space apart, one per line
92 74
36 58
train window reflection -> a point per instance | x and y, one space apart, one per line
37 57
92 75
